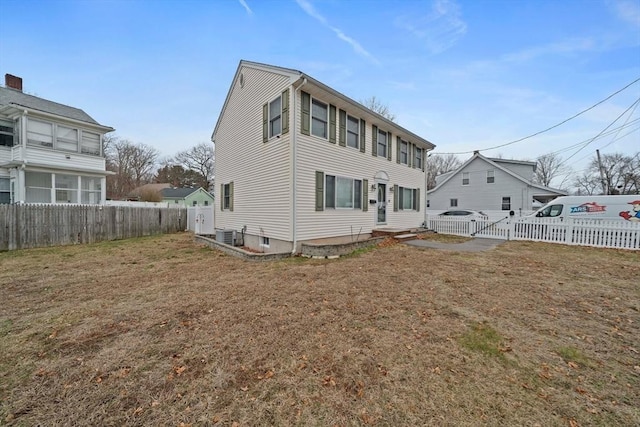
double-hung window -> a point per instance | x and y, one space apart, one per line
404 152
275 117
418 161
465 178
343 192
353 132
66 138
490 176
227 196
506 203
39 133
5 190
382 143
319 118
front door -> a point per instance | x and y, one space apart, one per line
381 217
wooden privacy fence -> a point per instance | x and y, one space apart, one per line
32 226
609 233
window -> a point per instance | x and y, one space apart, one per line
404 152
353 132
382 143
418 162
6 134
465 178
453 203
66 188
5 190
66 138
550 211
90 143
195 203
506 203
206 203
428 203
39 133
275 117
490 177
343 192
38 187
227 196
319 118
264 242
406 199
90 190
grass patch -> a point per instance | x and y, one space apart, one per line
484 339
573 354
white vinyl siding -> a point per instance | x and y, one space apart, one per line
260 172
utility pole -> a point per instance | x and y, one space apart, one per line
604 184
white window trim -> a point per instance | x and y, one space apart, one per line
311 117
418 156
453 203
493 176
357 147
413 201
265 242
271 119
386 143
354 199
468 175
55 139
226 197
404 144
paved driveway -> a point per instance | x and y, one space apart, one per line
475 245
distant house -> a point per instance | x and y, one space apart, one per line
297 160
187 196
483 183
49 152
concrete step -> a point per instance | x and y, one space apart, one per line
405 236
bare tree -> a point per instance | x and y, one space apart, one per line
548 167
200 159
132 163
437 164
620 175
374 104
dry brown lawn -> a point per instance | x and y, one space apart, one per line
162 331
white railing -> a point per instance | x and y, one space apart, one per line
611 233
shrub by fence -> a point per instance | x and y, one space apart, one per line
31 226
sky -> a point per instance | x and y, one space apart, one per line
465 75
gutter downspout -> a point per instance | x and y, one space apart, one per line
293 167
426 172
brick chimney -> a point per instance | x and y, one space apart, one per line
14 82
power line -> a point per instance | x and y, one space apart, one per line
549 128
603 130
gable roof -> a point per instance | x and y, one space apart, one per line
298 78
14 98
180 193
496 164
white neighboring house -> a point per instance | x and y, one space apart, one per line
298 161
488 184
49 152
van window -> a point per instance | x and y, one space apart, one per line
550 211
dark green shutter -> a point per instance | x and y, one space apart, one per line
332 124
424 158
416 199
363 127
319 191
265 122
413 162
231 196
396 194
374 140
305 116
365 195
221 197
398 144
389 145
285 111
342 140
410 155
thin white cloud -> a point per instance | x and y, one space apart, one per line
355 45
559 48
440 29
627 10
246 6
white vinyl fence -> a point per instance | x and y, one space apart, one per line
586 232
200 219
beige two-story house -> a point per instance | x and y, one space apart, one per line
297 161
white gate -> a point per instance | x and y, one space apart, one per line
200 219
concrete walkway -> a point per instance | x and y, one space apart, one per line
475 245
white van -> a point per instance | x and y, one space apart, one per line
598 207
